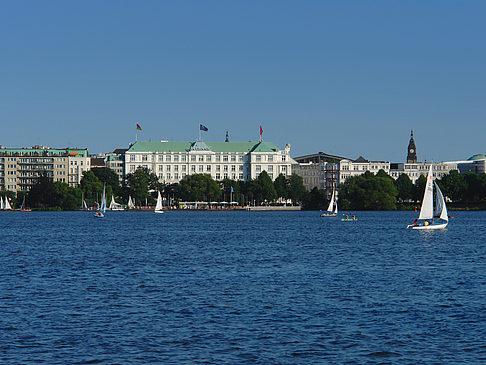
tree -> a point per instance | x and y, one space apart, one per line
316 199
405 187
92 187
43 193
199 187
296 188
108 177
281 186
267 190
368 192
453 185
140 182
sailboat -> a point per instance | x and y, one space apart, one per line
429 217
332 209
23 208
6 205
114 205
130 203
1 203
101 213
158 206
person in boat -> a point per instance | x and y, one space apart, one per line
354 218
347 216
415 222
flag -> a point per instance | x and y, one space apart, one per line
203 128
138 127
261 130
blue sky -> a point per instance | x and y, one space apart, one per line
346 77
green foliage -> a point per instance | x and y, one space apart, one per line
199 187
296 189
453 185
45 194
316 199
281 186
266 189
405 187
419 188
368 192
140 182
108 177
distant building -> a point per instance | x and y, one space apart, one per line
412 150
172 161
116 161
97 162
20 167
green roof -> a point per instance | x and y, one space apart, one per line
244 147
42 151
478 156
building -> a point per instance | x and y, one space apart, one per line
319 170
116 161
20 167
412 150
172 161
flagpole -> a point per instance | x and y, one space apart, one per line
199 132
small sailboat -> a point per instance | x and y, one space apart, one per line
114 205
429 217
6 205
23 208
101 213
332 209
158 206
1 203
130 203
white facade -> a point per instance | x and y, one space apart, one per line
172 161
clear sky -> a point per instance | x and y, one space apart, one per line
344 77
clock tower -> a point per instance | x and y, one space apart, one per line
412 151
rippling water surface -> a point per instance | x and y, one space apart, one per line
240 287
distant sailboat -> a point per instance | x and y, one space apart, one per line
1 203
130 203
114 205
23 208
332 209
6 205
429 217
158 206
102 211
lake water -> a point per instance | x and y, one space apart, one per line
240 287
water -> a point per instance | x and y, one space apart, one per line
240 287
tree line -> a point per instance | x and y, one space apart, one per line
361 192
142 186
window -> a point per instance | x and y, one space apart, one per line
218 158
233 168
193 168
208 168
193 158
176 158
259 168
225 168
201 168
161 158
218 168
176 176
132 168
144 158
218 176
176 168
168 168
270 167
233 158
201 158
183 167
168 177
161 167
270 158
258 158
132 159
225 158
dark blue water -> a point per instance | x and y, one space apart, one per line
240 287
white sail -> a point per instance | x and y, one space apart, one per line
427 209
103 201
7 205
440 207
130 203
335 204
158 206
112 203
1 203
85 206
330 208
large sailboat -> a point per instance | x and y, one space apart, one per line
158 206
430 217
332 209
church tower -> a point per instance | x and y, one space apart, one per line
412 151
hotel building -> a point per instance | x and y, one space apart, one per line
172 161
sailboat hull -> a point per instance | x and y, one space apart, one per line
430 226
159 211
